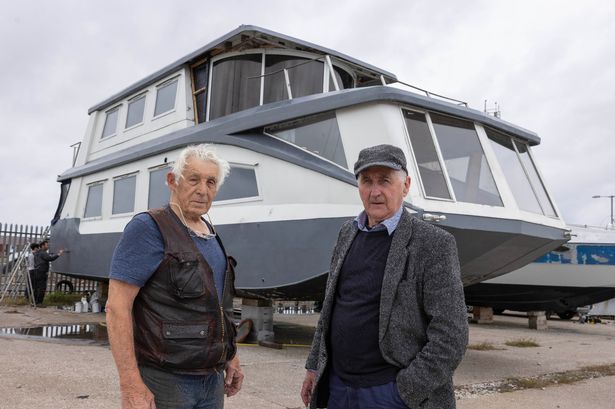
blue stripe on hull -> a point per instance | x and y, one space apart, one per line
599 254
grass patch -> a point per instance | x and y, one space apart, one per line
537 382
522 343
8 301
60 298
483 346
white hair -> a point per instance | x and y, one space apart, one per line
204 152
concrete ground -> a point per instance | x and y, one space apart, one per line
74 374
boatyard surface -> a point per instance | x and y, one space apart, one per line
569 366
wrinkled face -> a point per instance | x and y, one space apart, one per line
196 188
382 192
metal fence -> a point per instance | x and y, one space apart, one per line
13 239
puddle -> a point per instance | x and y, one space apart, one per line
91 333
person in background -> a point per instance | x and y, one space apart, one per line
393 325
31 270
42 258
171 297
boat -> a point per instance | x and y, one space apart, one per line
291 117
577 274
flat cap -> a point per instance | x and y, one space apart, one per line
381 155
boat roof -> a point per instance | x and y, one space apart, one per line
258 35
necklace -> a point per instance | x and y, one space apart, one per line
192 232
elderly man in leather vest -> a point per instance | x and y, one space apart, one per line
170 297
393 325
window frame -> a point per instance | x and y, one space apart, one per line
283 52
134 199
87 196
164 84
252 166
295 123
205 89
514 141
432 132
485 156
115 109
168 165
132 100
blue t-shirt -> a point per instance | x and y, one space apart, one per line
141 250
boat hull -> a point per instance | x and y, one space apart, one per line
579 274
290 259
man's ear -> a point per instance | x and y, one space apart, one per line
171 180
407 184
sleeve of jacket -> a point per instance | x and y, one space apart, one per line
49 257
447 325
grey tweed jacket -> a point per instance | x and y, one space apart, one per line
423 326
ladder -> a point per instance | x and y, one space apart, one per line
19 276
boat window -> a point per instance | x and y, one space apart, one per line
165 98
513 171
532 173
124 194
465 162
199 81
344 80
110 122
306 77
240 183
135 111
235 84
319 135
426 156
159 193
93 204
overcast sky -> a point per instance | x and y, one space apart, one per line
548 64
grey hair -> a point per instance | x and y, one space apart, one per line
204 152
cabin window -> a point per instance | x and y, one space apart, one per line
235 84
319 135
239 184
466 165
513 171
532 172
430 168
344 80
199 90
165 98
93 204
124 194
110 127
306 77
136 107
159 193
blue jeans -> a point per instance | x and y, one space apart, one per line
172 391
342 396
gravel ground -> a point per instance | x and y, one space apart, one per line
73 374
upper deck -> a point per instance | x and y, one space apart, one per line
246 68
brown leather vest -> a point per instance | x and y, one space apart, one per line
180 326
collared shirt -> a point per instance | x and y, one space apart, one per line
390 224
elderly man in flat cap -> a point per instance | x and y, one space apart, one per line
393 325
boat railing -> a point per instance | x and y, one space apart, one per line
327 60
428 93
76 146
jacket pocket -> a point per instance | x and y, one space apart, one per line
190 346
184 277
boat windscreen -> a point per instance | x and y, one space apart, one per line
465 161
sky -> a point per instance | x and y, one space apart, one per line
549 65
